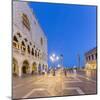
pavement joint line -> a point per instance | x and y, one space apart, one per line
75 88
76 79
86 78
72 81
17 86
32 91
80 91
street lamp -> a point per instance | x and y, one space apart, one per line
51 58
54 58
59 65
61 57
57 58
53 55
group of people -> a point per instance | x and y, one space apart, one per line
69 71
65 71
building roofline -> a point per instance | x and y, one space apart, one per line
90 51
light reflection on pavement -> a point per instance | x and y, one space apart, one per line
60 85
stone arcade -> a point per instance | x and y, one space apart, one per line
29 42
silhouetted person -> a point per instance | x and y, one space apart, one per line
65 72
54 73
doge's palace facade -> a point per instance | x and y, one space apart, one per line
29 42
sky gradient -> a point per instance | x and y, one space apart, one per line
70 29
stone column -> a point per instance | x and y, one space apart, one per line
37 65
20 71
31 65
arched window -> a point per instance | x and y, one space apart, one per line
92 57
15 42
35 53
25 39
19 34
28 48
41 41
38 54
25 21
23 48
15 38
32 51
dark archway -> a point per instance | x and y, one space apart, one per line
15 67
25 67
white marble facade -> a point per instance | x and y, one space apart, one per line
29 42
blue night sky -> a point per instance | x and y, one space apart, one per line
70 29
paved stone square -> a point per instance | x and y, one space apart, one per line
49 85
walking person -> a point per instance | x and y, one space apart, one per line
54 73
65 72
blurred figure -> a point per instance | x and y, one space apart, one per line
65 71
54 73
48 72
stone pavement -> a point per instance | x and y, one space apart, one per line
49 85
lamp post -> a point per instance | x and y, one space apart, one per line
78 58
61 57
53 59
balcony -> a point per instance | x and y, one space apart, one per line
15 47
23 50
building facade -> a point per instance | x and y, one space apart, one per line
91 59
29 42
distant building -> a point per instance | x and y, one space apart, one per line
91 59
29 42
